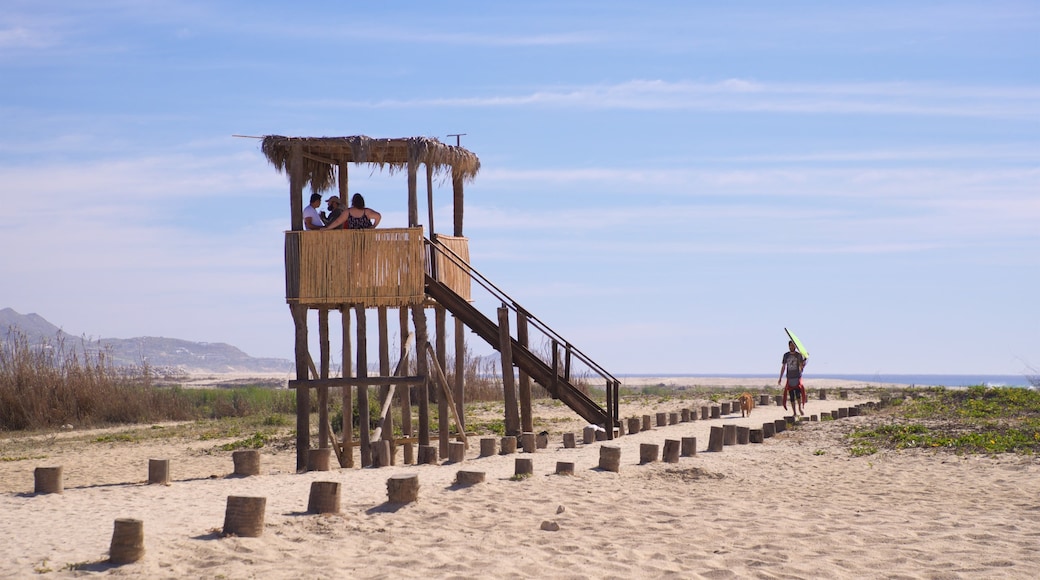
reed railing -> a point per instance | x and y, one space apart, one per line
375 267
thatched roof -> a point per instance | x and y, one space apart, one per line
321 155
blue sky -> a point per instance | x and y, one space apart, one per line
667 186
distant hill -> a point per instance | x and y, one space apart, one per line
169 353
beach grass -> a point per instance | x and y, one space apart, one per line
979 419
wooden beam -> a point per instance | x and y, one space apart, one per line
355 382
526 418
505 349
296 177
456 185
421 339
348 393
440 321
303 396
406 393
324 434
413 195
446 391
364 416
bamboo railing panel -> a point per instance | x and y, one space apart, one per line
450 274
375 267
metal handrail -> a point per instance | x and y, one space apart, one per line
515 306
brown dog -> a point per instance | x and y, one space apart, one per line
747 402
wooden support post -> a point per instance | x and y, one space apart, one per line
348 394
323 392
526 418
460 372
768 429
646 423
303 396
763 400
422 369
443 415
505 348
364 416
662 419
756 436
406 393
743 435
508 445
457 194
386 393
456 452
413 194
569 441
523 466
318 459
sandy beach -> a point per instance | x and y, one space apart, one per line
796 506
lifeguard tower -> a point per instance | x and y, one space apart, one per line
412 271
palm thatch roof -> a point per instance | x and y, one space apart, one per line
321 155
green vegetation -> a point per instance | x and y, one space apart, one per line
974 420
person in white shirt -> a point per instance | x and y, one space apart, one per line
311 219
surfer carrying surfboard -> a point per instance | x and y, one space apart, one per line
793 363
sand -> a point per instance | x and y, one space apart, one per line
796 506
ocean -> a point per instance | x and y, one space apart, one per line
916 380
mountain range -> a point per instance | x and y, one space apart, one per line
169 354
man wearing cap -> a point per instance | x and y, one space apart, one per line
793 363
311 218
335 208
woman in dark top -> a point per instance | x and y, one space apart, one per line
357 216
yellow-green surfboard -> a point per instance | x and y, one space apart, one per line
797 344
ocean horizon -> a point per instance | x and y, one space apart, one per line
921 380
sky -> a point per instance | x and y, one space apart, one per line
668 187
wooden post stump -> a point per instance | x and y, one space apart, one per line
244 516
671 451
823 394
768 430
705 412
779 400
159 471
456 452
610 458
716 412
834 414
634 425
527 440
648 452
541 441
684 415
729 434
508 445
524 466
743 434
725 408
715 439
813 418
853 411
693 414
488 446
843 412
564 468
756 436
601 435
383 456
324 497
662 419
48 480
646 423
403 487
318 459
569 441
843 394
469 477
428 455
763 400
673 418
780 425
588 434
247 462
127 541
689 446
